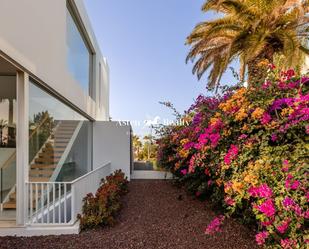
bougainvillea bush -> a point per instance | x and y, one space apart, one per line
100 209
247 150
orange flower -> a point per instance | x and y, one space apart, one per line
237 187
241 114
257 113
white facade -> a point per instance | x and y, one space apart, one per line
34 51
33 34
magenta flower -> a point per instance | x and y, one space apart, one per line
288 202
298 211
261 191
261 237
267 222
288 243
184 171
242 136
274 137
295 185
214 139
266 118
231 154
291 184
229 201
267 208
215 225
188 146
284 226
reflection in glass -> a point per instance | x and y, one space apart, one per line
60 143
7 147
78 56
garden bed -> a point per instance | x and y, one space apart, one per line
155 215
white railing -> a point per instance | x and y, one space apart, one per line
58 203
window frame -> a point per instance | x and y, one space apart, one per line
74 13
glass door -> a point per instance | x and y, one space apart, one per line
7 148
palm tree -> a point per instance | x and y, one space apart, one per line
137 145
252 31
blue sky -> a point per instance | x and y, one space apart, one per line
143 41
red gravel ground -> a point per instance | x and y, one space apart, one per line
153 217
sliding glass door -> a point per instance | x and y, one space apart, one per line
8 147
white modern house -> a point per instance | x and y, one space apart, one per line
56 140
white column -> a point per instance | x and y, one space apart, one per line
22 151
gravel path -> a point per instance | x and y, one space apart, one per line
153 217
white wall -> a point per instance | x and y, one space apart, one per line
111 143
33 33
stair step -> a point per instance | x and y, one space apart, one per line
66 129
54 150
62 140
43 166
37 172
49 155
9 205
39 179
46 160
64 132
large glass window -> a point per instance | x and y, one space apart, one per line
7 147
78 54
60 144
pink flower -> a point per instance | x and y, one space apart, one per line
184 171
266 85
229 201
285 167
274 137
261 237
261 191
288 243
288 202
295 185
298 211
188 146
242 136
268 208
214 139
215 225
289 184
284 226
268 222
192 164
306 214
231 154
266 118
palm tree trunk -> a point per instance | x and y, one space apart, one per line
257 68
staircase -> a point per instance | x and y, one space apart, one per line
45 162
